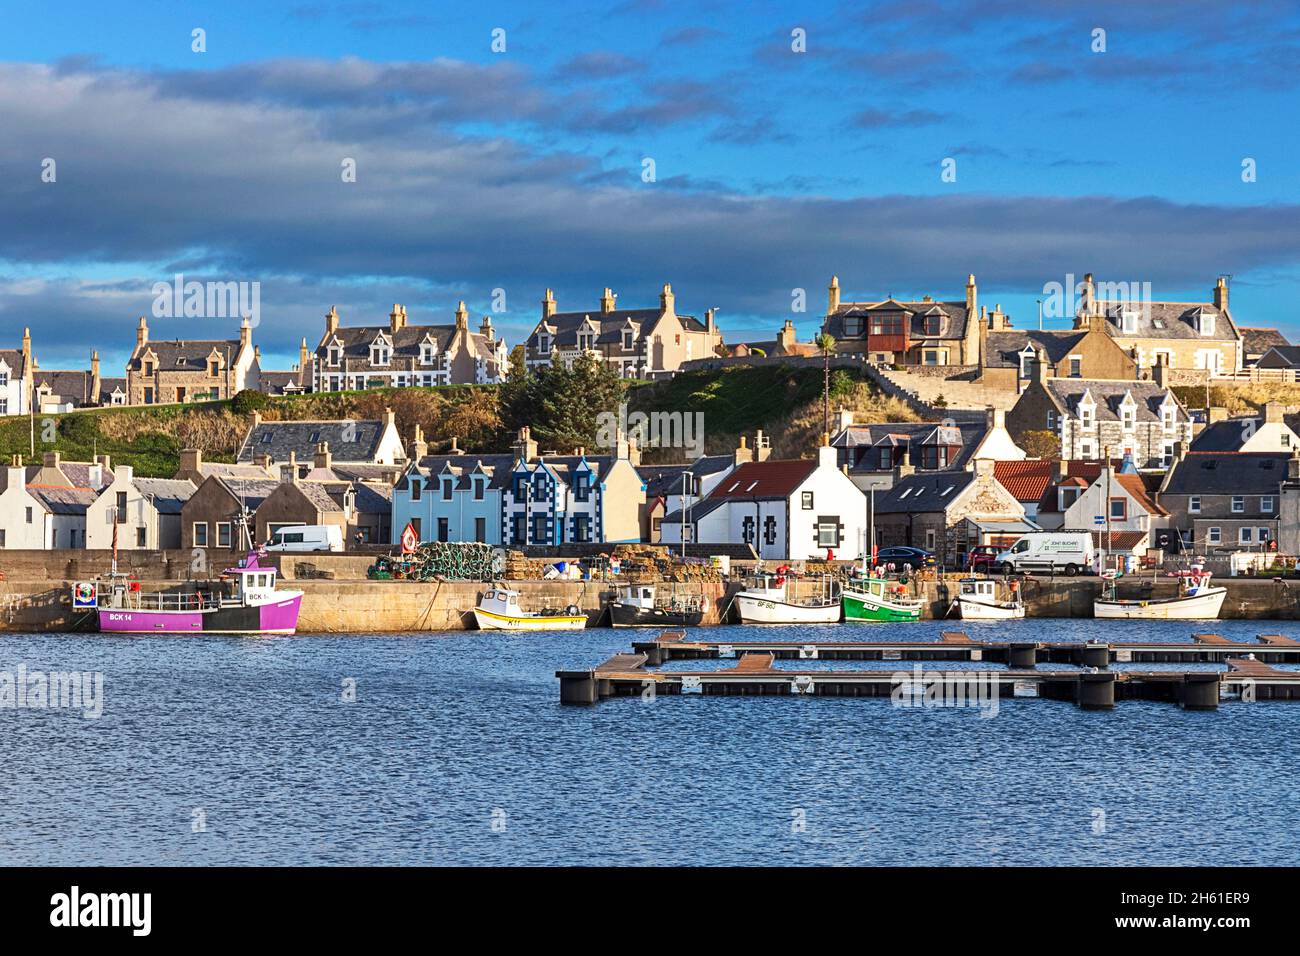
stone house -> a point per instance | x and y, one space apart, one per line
1224 501
220 508
636 343
400 354
1096 419
295 502
939 511
190 370
1009 357
373 442
1179 335
912 332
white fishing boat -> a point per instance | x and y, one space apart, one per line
769 602
500 611
977 600
1199 601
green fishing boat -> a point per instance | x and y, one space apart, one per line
875 599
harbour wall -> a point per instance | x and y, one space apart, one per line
346 603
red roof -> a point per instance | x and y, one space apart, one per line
1136 487
1025 480
765 479
1120 540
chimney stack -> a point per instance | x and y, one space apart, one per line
833 297
331 321
245 331
455 448
667 300
743 453
389 418
1041 372
462 316
1221 294
396 318
763 446
303 375
485 328
607 300
141 333
322 459
1088 296
548 304
94 364
191 460
972 296
998 321
419 447
524 446
709 325
786 338
1273 412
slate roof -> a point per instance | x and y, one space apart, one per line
912 435
224 469
63 501
953 318
1148 397
609 326
925 493
253 492
664 480
1227 435
276 383
372 498
1281 356
1164 320
771 479
1228 473
407 345
278 439
78 473
1259 341
696 511
319 495
14 359
1002 349
67 385
107 386
168 494
185 355
496 467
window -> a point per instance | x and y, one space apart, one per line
1119 509
380 353
1130 322
121 507
586 340
1167 454
582 487
1212 535
1027 363
148 396
1085 449
139 537
853 326
415 526
480 529
223 534
543 342
931 357
414 485
582 529
539 488
444 531
769 529
200 534
333 354
539 529
807 500
929 539
446 489
828 532
1194 504
1086 419
479 485
1245 535
933 324
517 529
629 339
1238 504
1266 505
886 459
521 486
29 515
887 324
1262 536
1051 421
1076 367
1130 418
747 530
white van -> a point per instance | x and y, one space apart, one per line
306 537
1051 551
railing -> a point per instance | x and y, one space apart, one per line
1283 375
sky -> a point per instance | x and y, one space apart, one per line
740 151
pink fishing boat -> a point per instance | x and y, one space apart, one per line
246 602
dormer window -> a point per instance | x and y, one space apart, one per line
586 339
380 352
428 352
333 355
1027 363
629 339
1129 418
1087 416
1205 323
933 324
853 326
543 342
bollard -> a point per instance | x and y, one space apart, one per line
1095 654
1200 691
1095 691
1022 655
577 687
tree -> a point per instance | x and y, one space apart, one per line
562 404
826 342
248 401
1040 444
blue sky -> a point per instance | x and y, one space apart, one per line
518 170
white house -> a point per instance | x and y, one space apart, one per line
784 509
16 377
145 511
1122 498
21 515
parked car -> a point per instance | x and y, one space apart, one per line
983 557
905 554
306 537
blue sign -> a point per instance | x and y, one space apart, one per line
1099 519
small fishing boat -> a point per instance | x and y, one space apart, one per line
977 600
768 602
500 611
634 605
869 598
253 605
1199 601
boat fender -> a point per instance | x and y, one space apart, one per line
572 610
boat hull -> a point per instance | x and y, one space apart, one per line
757 610
861 606
979 611
274 617
492 621
627 615
1198 607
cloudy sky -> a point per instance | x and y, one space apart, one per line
518 169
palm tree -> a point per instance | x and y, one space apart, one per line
826 342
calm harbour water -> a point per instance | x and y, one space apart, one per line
456 751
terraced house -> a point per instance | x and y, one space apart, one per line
636 343
911 332
189 370
1224 501
571 499
1099 419
452 497
400 354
